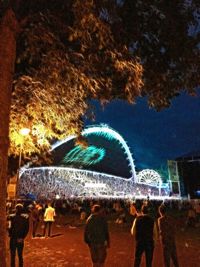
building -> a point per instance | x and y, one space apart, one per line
184 174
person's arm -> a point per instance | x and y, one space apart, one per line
45 214
26 228
159 230
54 214
133 227
107 235
10 227
155 232
86 233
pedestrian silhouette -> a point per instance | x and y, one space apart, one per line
18 231
145 232
166 227
96 236
49 217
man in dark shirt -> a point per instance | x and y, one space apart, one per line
144 230
167 232
18 231
96 236
36 216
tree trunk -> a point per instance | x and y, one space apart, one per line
8 30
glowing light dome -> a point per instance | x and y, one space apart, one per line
107 153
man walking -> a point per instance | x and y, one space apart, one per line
167 232
18 231
144 230
96 236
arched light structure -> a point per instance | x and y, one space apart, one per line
110 134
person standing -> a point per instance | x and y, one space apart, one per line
35 215
166 227
96 236
49 217
145 232
191 217
19 227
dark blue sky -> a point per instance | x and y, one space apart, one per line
154 137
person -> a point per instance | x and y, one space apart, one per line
96 236
145 232
166 228
151 207
197 211
36 215
19 227
191 217
49 217
133 211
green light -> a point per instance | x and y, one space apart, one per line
88 156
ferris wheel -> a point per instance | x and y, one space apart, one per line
149 177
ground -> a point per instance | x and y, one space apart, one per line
66 247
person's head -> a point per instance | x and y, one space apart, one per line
145 209
162 210
96 208
138 205
38 207
19 209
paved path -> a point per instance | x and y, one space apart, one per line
67 249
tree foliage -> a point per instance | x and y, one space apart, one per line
72 51
61 64
165 35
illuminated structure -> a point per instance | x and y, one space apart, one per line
107 153
104 168
149 177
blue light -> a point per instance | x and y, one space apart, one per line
198 192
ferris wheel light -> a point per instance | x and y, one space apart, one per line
149 177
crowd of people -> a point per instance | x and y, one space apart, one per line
49 183
149 221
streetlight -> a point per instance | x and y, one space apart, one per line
24 131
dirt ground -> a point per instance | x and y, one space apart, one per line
66 247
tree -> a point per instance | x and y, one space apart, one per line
71 51
98 50
82 61
8 30
60 66
165 36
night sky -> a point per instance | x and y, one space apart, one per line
154 137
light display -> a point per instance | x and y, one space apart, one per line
76 182
89 155
97 153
